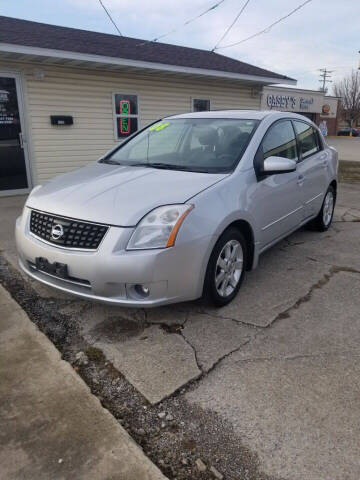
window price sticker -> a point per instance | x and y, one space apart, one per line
159 126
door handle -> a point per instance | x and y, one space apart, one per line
21 140
300 180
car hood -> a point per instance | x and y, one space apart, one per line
117 195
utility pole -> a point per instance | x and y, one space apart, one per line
325 77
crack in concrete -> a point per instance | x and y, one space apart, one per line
177 330
197 361
344 214
297 357
334 270
355 220
224 317
225 356
191 384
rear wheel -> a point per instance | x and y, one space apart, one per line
226 268
323 221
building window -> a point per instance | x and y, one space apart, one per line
200 105
126 114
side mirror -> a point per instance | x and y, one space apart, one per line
274 165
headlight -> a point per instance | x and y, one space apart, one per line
158 229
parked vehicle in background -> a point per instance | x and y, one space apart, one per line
179 210
345 132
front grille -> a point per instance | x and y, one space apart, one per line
71 233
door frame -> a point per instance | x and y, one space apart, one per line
24 131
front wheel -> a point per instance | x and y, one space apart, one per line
226 268
323 221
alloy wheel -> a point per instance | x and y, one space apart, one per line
229 267
328 208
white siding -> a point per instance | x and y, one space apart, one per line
87 96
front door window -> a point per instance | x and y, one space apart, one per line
13 174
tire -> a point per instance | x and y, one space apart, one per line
231 244
323 221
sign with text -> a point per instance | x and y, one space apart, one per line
299 101
126 110
289 102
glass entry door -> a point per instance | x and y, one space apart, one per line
13 168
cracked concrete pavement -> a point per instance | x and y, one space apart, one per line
281 363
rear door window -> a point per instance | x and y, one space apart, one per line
308 139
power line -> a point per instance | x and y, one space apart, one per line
325 77
267 29
183 24
108 14
233 23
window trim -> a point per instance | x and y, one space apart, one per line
116 116
199 97
318 139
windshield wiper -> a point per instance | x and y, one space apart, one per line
160 165
168 166
109 161
114 162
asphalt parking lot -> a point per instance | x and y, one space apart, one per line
264 388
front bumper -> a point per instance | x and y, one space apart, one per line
110 273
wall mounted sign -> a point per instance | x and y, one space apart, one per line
4 95
125 126
126 111
289 102
281 101
6 112
299 101
60 120
304 103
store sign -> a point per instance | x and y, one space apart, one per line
125 121
281 101
6 117
4 96
289 102
305 103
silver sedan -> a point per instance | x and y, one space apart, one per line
179 210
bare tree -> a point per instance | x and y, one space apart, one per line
348 89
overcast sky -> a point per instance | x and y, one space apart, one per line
324 33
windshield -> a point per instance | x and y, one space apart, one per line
195 144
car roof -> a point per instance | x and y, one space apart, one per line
240 114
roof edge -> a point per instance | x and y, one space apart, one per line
87 57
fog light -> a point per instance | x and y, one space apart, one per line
142 290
